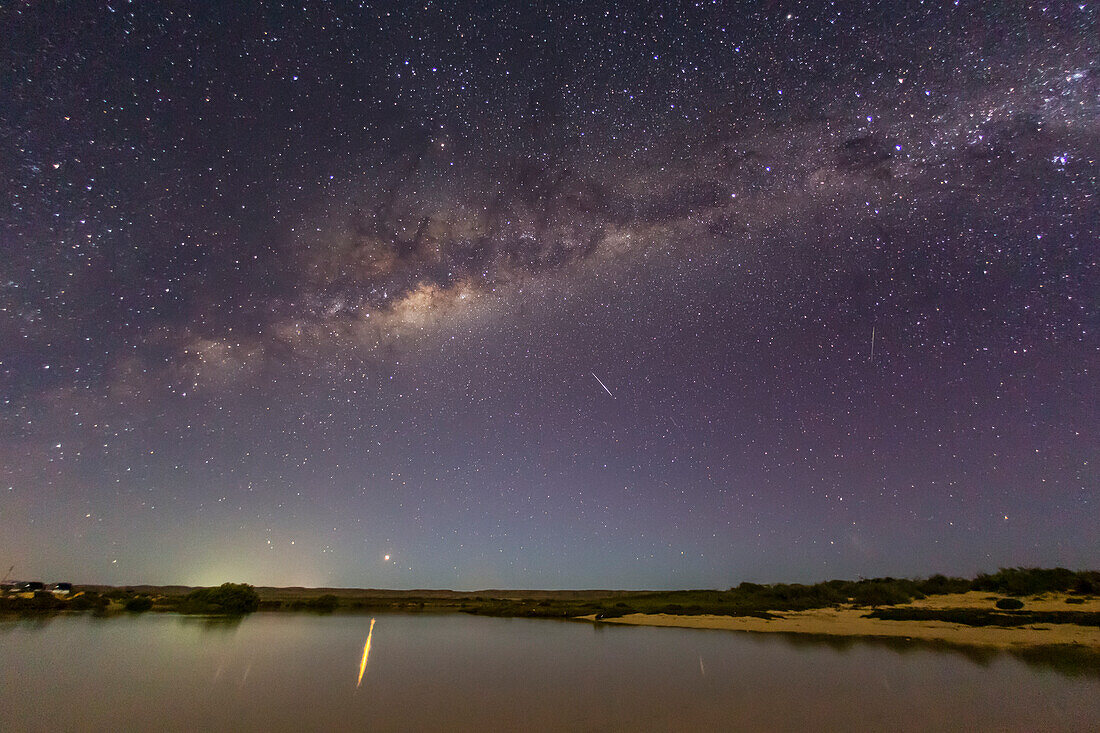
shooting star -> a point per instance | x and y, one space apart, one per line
366 653
605 389
872 344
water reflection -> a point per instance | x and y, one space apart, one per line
1074 661
366 653
1069 660
25 623
456 672
214 624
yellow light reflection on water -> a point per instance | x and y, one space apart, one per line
366 653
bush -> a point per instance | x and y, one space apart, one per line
940 584
983 617
1032 581
327 602
139 604
1009 604
45 601
230 598
747 587
880 594
42 602
605 612
88 601
1087 583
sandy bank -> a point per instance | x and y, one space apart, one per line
850 622
983 599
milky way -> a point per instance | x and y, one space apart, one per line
316 295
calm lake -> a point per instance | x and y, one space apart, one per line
456 672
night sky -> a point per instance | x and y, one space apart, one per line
538 295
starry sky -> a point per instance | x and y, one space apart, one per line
547 295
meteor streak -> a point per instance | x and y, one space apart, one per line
605 389
366 653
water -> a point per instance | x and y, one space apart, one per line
272 672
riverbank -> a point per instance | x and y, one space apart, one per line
848 621
1020 598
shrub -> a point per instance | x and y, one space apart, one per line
940 584
88 601
231 598
880 594
1087 583
1032 581
1009 604
982 617
612 613
45 601
139 604
41 602
327 602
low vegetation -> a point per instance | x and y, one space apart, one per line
753 599
139 604
745 599
1032 581
321 604
227 598
983 617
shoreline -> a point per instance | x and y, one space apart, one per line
884 609
850 622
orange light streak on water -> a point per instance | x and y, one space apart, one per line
366 653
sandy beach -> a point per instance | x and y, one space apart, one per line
848 621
